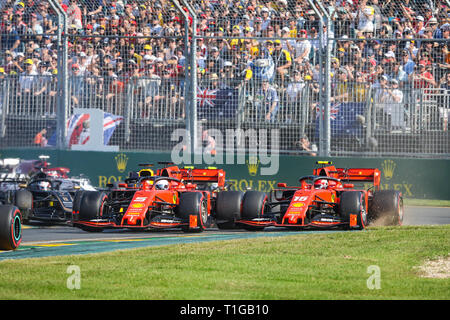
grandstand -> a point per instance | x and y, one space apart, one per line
258 66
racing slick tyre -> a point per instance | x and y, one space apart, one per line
254 205
193 208
228 209
353 209
91 207
10 227
23 199
387 208
76 204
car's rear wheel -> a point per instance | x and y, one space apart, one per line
91 207
352 209
10 227
228 209
386 208
23 199
76 204
77 201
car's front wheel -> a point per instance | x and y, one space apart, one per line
10 227
193 208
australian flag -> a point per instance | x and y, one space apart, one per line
78 129
343 120
215 103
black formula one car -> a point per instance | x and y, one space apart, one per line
46 197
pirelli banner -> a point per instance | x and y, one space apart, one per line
415 178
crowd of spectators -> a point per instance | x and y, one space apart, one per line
113 43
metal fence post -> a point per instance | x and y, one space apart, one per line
187 84
325 79
193 81
327 116
63 88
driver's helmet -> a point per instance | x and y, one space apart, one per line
162 185
321 184
44 185
147 184
332 184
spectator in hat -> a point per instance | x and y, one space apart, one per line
151 92
76 86
392 105
27 78
267 101
27 82
340 86
228 74
408 64
265 18
216 63
379 88
8 61
10 39
419 25
45 88
74 15
365 16
359 89
293 94
433 25
421 77
283 62
302 48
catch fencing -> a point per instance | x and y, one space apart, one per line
351 89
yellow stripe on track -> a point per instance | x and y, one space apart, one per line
50 245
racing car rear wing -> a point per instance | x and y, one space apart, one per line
58 172
208 175
350 174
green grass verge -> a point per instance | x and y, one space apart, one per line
308 266
426 202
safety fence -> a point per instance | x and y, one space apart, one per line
367 114
366 79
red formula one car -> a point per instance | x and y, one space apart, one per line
171 197
326 199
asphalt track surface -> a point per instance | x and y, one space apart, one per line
41 240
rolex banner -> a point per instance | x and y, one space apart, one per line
415 178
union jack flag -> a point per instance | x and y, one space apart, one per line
206 97
77 133
334 110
